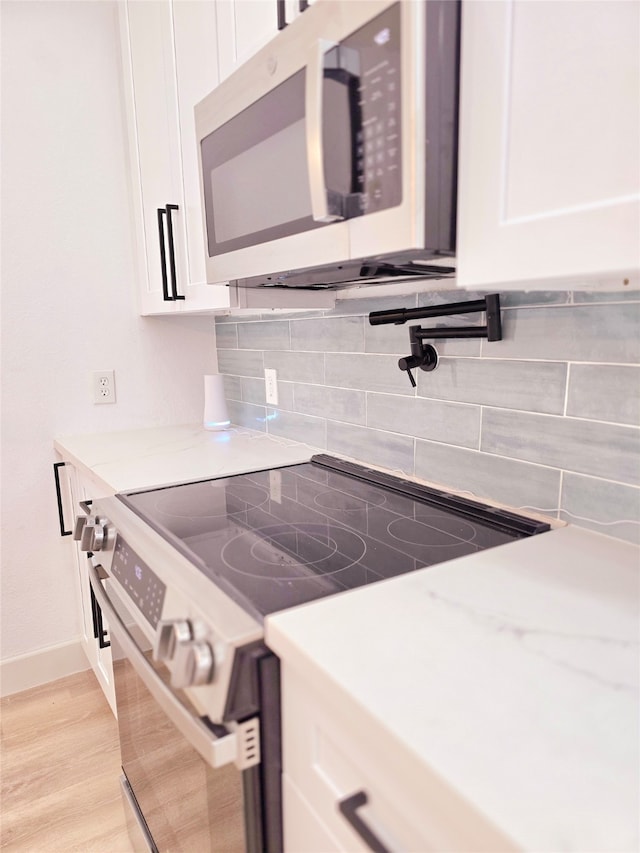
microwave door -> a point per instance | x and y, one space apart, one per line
256 184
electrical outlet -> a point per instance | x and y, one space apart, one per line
271 386
104 386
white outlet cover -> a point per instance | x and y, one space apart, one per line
271 386
103 384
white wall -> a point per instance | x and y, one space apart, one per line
68 303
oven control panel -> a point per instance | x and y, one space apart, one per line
141 584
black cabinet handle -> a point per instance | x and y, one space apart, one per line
304 4
172 254
348 808
166 295
98 628
56 476
282 15
163 256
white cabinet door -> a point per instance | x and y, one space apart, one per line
170 62
244 26
98 652
549 144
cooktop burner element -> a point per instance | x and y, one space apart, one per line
274 539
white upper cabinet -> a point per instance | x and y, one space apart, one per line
549 182
244 26
170 63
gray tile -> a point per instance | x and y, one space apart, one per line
515 484
447 296
627 295
240 362
227 335
247 415
338 404
285 395
232 388
297 427
328 334
366 372
452 423
297 366
534 386
253 390
268 334
609 508
581 446
515 298
605 392
394 452
365 306
591 333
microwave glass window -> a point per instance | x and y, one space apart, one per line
256 186
272 164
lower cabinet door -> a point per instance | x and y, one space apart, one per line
98 651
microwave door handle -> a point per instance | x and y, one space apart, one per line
321 211
215 751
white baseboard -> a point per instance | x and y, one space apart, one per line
40 667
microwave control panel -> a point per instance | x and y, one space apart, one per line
369 64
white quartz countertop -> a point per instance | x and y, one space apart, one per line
511 673
158 456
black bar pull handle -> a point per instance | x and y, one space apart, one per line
282 15
98 627
172 254
163 256
349 809
56 476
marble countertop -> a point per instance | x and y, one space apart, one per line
512 673
159 456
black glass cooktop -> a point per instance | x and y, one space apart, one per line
273 539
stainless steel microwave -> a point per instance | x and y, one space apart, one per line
330 158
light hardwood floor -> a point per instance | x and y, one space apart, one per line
60 766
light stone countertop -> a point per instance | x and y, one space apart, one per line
512 673
159 456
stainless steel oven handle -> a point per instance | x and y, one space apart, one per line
215 751
313 123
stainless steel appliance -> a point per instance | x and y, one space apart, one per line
330 157
186 576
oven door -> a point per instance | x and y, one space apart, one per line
175 798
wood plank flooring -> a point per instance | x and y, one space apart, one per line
59 770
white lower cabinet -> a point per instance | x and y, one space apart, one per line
549 180
334 750
94 636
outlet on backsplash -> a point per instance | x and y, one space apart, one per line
271 386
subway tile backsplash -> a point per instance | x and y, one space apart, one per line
547 418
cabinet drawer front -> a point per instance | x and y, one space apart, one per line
332 749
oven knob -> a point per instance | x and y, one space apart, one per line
171 634
99 535
193 665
